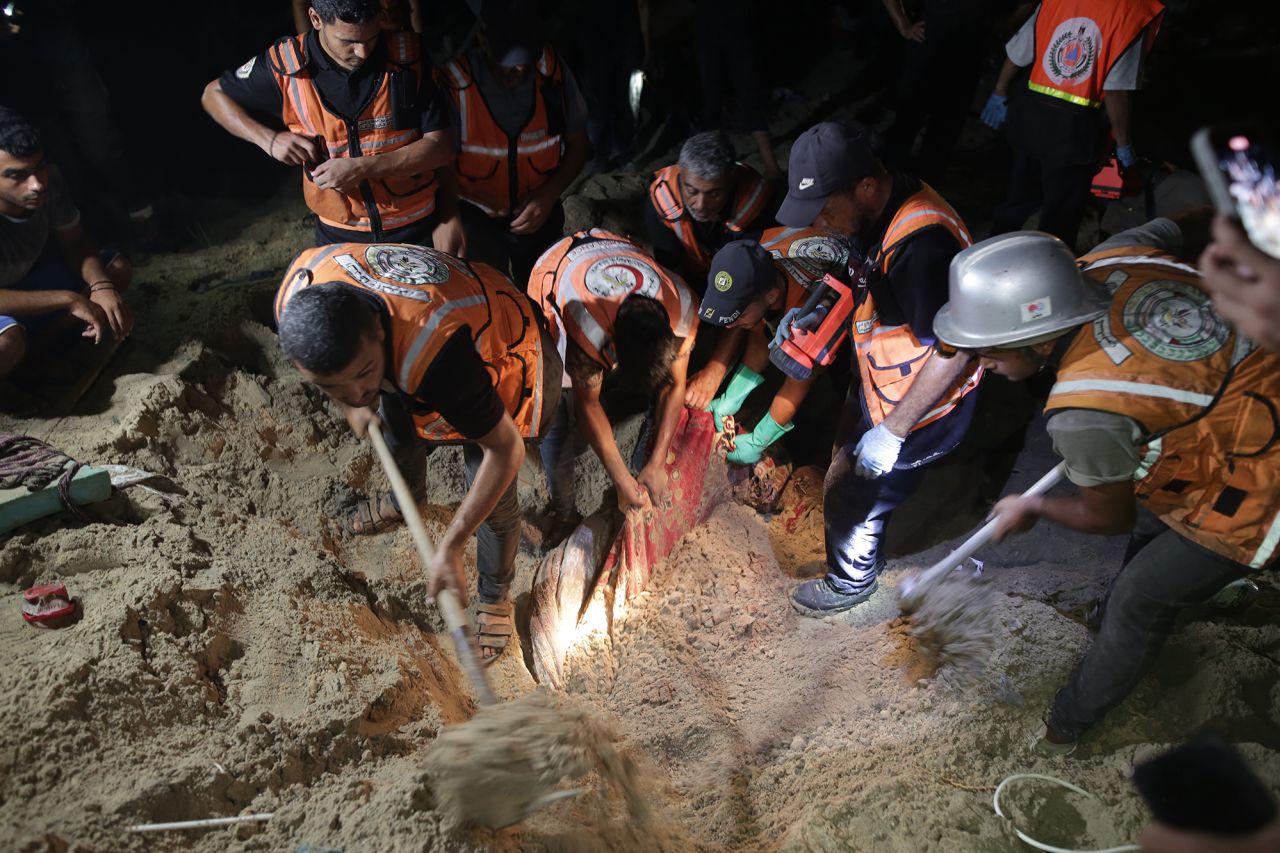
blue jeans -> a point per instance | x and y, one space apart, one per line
498 537
1163 573
855 511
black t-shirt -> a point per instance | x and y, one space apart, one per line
460 388
916 285
912 292
253 85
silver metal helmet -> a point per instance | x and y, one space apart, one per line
1016 290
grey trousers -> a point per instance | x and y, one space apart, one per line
1163 573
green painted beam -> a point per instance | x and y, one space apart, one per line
19 506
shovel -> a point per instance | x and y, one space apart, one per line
509 796
950 613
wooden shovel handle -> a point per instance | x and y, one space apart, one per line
447 599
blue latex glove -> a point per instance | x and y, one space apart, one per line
994 113
877 451
792 320
1126 156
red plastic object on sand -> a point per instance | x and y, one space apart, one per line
1108 183
46 603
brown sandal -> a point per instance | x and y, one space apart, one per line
370 514
494 633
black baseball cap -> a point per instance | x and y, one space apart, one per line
739 273
827 158
514 31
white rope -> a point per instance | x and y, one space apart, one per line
200 824
1040 845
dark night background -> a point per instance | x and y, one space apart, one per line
1213 62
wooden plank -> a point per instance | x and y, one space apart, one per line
19 506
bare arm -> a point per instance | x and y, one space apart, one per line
1106 510
788 399
503 455
433 151
670 403
234 118
1119 106
534 209
596 428
897 14
702 387
1007 72
937 375
104 287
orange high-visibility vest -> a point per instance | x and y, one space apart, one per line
1078 41
890 357
581 281
428 296
750 195
495 171
1207 397
378 204
804 256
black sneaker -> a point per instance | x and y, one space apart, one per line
819 598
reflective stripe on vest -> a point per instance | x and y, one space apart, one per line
582 280
429 296
487 177
750 195
377 204
1207 398
1078 42
890 357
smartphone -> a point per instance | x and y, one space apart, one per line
1240 167
1204 785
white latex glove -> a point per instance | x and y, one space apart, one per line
877 450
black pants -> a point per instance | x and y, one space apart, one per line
1163 573
935 91
1059 190
489 240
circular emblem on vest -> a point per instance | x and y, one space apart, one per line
1073 51
407 264
821 249
1174 320
723 281
619 276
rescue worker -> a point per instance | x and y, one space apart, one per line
452 353
1083 55
753 286
612 310
703 201
521 125
1164 415
38 285
362 118
910 408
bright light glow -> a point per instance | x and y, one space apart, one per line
635 89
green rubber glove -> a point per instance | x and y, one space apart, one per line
747 449
743 381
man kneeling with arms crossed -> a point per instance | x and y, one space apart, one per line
452 353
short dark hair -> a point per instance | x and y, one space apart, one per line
708 155
322 327
18 137
347 11
643 342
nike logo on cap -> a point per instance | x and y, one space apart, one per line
805 183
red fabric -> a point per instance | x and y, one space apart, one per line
648 537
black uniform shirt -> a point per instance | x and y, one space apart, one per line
254 87
916 285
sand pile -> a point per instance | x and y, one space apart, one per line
237 654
